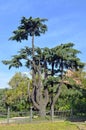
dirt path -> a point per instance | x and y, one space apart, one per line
81 126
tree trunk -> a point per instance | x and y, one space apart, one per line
39 98
42 111
33 46
54 99
52 112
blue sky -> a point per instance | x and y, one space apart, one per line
66 23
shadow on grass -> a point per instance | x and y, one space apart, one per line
77 119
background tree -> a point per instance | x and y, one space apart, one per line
2 104
17 95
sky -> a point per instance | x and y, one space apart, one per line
66 23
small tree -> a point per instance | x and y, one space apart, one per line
17 96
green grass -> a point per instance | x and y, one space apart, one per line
2 118
40 126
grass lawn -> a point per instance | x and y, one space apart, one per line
40 126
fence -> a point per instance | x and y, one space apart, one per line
33 116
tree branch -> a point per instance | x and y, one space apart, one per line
33 99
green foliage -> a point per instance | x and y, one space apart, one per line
2 105
17 95
83 79
74 99
29 27
19 80
69 56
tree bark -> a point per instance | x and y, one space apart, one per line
42 111
55 99
52 112
40 96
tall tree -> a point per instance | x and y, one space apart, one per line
48 64
30 27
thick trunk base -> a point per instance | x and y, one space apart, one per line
42 112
